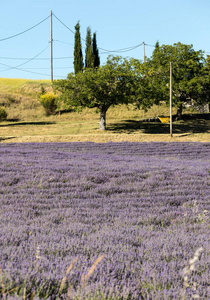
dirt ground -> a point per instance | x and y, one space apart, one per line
196 137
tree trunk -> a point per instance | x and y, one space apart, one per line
102 124
179 112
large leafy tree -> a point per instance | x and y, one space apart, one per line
189 79
143 93
78 56
110 85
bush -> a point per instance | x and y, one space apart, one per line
3 114
49 102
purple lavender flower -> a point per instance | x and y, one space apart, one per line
144 206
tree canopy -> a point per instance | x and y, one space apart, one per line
109 85
189 79
140 83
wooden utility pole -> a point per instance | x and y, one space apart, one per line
144 51
51 43
171 134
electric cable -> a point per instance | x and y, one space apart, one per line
48 68
67 27
64 24
149 45
120 50
67 57
24 70
27 60
110 51
10 37
63 42
44 58
31 71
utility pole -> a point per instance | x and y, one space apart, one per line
171 134
144 51
51 44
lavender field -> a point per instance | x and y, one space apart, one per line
144 206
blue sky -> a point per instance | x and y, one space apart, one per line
119 24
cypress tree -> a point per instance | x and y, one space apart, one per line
78 57
96 59
88 50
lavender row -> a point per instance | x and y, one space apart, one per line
144 206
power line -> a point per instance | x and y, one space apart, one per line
44 58
67 27
63 42
30 71
111 51
150 45
48 68
27 60
120 50
23 70
64 24
108 51
68 57
10 37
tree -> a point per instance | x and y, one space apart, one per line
188 74
78 57
88 50
143 92
110 85
207 79
96 59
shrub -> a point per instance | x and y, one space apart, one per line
42 90
3 114
49 102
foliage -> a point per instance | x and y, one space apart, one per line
3 114
78 57
189 79
143 94
96 58
43 91
207 79
88 50
49 102
138 204
143 84
92 59
108 86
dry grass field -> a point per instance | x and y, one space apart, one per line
26 121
